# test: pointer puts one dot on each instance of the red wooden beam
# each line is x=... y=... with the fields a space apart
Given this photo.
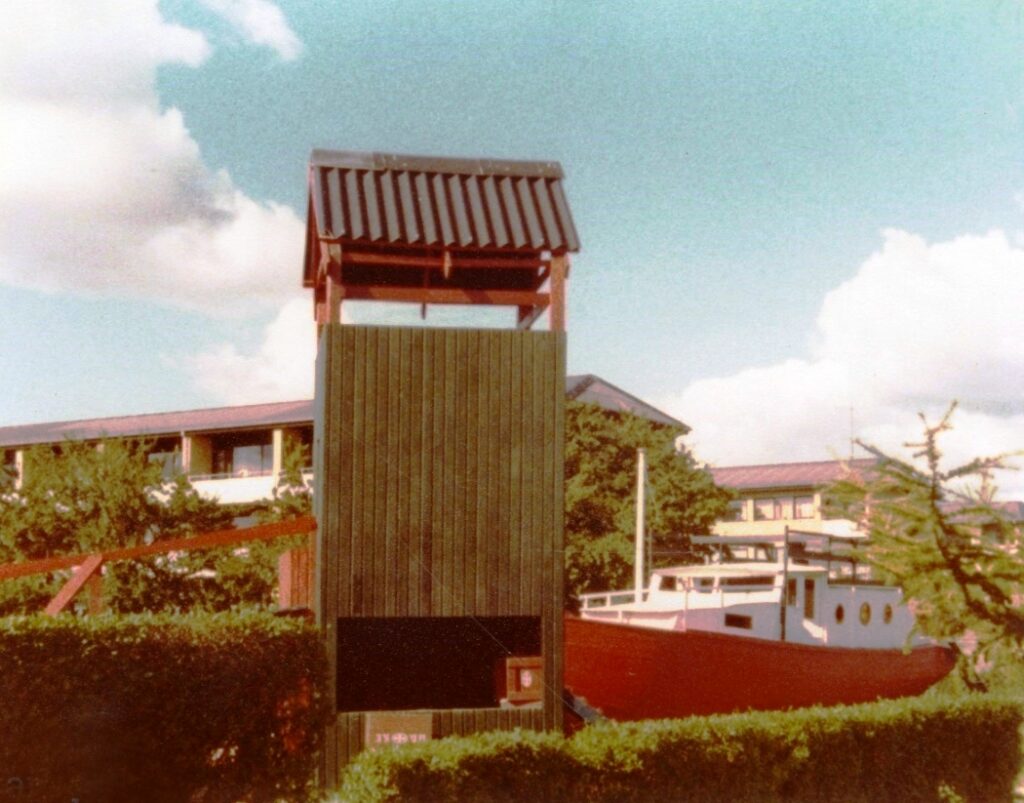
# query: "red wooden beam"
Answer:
x=67 y=592
x=260 y=532
x=432 y=261
x=447 y=295
x=528 y=316
x=431 y=249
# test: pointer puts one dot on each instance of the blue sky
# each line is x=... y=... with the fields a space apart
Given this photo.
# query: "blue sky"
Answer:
x=798 y=220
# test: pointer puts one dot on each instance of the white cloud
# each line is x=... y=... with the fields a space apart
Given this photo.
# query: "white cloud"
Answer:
x=280 y=368
x=918 y=326
x=261 y=22
x=102 y=191
x=96 y=54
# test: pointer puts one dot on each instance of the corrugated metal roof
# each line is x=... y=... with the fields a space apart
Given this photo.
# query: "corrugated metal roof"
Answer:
x=485 y=204
x=586 y=387
x=785 y=475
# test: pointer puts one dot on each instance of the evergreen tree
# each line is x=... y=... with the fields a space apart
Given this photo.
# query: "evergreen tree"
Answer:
x=958 y=557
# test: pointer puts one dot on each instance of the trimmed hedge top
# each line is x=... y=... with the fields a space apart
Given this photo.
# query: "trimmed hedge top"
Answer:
x=899 y=750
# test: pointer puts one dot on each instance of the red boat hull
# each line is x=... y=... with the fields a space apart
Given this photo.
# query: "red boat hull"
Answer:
x=633 y=673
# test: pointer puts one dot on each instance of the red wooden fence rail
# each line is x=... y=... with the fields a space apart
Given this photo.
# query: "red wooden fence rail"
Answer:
x=89 y=563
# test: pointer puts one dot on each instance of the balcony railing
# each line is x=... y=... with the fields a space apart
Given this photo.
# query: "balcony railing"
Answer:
x=239 y=488
x=231 y=475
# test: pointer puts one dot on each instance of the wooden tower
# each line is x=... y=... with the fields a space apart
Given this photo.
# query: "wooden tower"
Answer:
x=438 y=452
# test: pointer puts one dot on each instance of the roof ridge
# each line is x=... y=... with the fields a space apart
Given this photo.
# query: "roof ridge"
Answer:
x=467 y=165
x=792 y=463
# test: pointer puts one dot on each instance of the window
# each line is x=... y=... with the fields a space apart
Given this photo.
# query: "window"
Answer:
x=865 y=614
x=245 y=454
x=9 y=466
x=737 y=620
x=306 y=441
x=791 y=592
x=887 y=614
x=755 y=580
x=764 y=509
x=167 y=453
x=808 y=598
x=840 y=614
x=784 y=508
x=737 y=510
x=804 y=507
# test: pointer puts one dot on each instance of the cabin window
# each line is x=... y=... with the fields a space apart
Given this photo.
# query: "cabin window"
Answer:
x=865 y=614
x=840 y=614
x=407 y=663
x=738 y=620
x=804 y=507
x=887 y=614
x=791 y=592
x=759 y=580
x=808 y=598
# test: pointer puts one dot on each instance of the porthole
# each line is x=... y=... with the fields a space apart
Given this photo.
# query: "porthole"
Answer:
x=887 y=614
x=840 y=614
x=865 y=614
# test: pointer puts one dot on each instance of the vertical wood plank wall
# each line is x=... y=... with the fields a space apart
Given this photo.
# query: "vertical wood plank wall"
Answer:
x=438 y=461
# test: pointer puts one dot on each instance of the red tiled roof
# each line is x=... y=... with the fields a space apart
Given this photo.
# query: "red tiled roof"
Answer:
x=212 y=419
x=785 y=475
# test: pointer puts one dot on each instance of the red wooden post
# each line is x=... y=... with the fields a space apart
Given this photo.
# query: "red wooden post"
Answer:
x=94 y=587
x=295 y=573
x=284 y=578
x=74 y=585
x=559 y=264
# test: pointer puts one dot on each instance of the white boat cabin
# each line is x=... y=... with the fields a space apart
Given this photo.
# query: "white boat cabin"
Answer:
x=752 y=591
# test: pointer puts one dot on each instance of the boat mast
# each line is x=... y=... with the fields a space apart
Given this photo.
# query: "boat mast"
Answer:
x=638 y=558
x=784 y=597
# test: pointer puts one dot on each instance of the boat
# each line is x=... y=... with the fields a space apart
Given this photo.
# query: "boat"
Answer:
x=767 y=623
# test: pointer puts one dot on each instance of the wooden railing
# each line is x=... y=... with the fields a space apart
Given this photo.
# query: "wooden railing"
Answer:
x=88 y=564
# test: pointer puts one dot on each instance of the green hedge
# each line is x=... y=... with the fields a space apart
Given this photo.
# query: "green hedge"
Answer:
x=213 y=707
x=907 y=750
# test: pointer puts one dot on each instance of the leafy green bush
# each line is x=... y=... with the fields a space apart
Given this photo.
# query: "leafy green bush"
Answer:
x=210 y=707
x=906 y=750
x=89 y=499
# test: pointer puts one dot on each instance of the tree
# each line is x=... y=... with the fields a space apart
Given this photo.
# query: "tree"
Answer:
x=292 y=496
x=92 y=497
x=600 y=504
x=941 y=536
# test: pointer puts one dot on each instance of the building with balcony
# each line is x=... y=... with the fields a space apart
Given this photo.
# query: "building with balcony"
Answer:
x=775 y=496
x=236 y=454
